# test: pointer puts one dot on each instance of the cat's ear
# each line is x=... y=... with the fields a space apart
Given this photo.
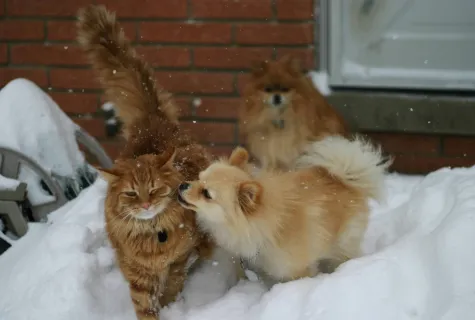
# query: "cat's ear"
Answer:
x=239 y=157
x=259 y=68
x=169 y=156
x=109 y=175
x=249 y=196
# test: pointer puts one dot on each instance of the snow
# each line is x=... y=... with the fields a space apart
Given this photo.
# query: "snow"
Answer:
x=8 y=184
x=320 y=80
x=107 y=106
x=418 y=264
x=197 y=102
x=111 y=121
x=33 y=124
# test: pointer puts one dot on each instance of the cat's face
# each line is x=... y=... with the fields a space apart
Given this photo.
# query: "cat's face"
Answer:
x=142 y=188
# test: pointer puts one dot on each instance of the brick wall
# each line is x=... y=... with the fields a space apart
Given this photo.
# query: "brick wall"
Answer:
x=201 y=50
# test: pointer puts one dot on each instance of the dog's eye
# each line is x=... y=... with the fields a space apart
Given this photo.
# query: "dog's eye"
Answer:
x=131 y=194
x=268 y=89
x=284 y=89
x=206 y=194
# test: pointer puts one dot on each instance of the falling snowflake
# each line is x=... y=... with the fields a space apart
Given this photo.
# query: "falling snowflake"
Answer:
x=197 y=102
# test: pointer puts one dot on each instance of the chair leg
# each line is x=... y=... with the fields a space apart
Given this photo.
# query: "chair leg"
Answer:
x=15 y=220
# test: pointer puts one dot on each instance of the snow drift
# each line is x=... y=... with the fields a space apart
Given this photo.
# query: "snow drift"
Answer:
x=33 y=124
x=419 y=264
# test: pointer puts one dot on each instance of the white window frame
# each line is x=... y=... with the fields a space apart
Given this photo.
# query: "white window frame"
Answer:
x=330 y=23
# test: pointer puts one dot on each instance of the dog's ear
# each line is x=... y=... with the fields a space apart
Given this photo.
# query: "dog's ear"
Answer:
x=292 y=64
x=239 y=157
x=109 y=175
x=258 y=68
x=249 y=196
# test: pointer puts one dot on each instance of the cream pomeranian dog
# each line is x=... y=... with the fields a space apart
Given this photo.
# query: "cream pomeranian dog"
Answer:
x=284 y=223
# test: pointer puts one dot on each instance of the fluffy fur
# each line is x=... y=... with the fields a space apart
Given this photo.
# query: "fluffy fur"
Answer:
x=357 y=162
x=155 y=239
x=285 y=223
x=127 y=79
x=282 y=111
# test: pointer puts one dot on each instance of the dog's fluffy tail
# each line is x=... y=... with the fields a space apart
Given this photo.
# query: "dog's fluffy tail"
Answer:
x=356 y=162
x=128 y=81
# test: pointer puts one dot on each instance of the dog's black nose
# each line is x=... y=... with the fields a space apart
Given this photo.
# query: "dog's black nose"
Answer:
x=184 y=186
x=277 y=99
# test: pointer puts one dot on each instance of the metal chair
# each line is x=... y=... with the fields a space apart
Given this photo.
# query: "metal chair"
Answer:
x=11 y=200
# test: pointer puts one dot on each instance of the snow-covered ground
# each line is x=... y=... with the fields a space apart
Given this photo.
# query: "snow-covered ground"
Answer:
x=419 y=264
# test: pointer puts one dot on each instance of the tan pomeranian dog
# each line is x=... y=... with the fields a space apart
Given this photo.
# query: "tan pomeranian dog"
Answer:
x=284 y=223
x=282 y=112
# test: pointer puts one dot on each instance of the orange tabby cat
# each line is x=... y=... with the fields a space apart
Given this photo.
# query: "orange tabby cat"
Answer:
x=146 y=242
x=155 y=239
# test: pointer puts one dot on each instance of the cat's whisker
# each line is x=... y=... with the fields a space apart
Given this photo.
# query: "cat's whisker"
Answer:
x=123 y=217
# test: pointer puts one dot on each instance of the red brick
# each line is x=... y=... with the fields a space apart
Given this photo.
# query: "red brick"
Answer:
x=148 y=8
x=242 y=137
x=61 y=30
x=66 y=30
x=459 y=146
x=232 y=9
x=176 y=32
x=165 y=56
x=230 y=58
x=184 y=106
x=295 y=9
x=242 y=80
x=413 y=164
x=306 y=56
x=196 y=82
x=2 y=7
x=57 y=54
x=211 y=132
x=76 y=102
x=278 y=34
x=221 y=151
x=407 y=143
x=95 y=127
x=45 y=7
x=38 y=76
x=21 y=30
x=218 y=107
x=73 y=79
x=3 y=53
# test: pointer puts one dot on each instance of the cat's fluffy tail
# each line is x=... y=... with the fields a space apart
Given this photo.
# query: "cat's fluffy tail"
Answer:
x=128 y=81
x=356 y=162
